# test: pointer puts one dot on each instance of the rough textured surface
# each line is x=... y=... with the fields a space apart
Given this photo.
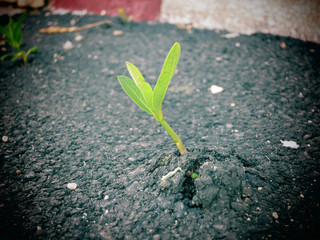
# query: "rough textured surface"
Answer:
x=297 y=18
x=65 y=119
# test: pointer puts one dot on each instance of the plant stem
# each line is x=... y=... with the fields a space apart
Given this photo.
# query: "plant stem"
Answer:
x=174 y=136
x=25 y=57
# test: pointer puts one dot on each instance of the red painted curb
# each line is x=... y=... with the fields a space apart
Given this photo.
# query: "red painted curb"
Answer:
x=140 y=10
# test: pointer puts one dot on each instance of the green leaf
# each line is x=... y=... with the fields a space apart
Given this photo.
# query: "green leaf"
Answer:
x=34 y=49
x=10 y=28
x=3 y=57
x=17 y=34
x=166 y=74
x=194 y=175
x=133 y=91
x=17 y=55
x=144 y=87
x=4 y=30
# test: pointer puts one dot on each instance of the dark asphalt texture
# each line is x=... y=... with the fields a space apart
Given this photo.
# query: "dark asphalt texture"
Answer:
x=68 y=120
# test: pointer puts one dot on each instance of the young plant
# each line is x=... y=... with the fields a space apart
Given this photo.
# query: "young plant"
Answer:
x=151 y=100
x=14 y=38
x=123 y=16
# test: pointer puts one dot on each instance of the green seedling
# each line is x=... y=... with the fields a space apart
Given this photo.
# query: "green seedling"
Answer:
x=123 y=16
x=151 y=100
x=14 y=38
x=194 y=175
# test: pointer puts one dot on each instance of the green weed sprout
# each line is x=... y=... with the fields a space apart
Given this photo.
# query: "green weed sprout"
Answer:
x=151 y=100
x=123 y=15
x=14 y=38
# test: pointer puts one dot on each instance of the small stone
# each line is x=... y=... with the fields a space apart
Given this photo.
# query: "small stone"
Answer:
x=67 y=45
x=156 y=237
x=301 y=195
x=117 y=32
x=216 y=89
x=39 y=228
x=5 y=138
x=78 y=38
x=18 y=172
x=237 y=44
x=283 y=45
x=259 y=188
x=106 y=197
x=219 y=227
x=290 y=144
x=275 y=215
x=232 y=104
x=72 y=186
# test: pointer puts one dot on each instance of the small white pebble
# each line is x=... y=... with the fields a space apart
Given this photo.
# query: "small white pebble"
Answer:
x=39 y=228
x=275 y=215
x=216 y=89
x=290 y=144
x=232 y=104
x=72 y=186
x=237 y=44
x=67 y=45
x=78 y=38
x=117 y=32
x=73 y=22
x=259 y=188
x=5 y=138
x=301 y=195
x=106 y=197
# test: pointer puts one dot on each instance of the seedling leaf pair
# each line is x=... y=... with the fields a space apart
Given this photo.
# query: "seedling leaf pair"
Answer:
x=151 y=100
x=135 y=93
